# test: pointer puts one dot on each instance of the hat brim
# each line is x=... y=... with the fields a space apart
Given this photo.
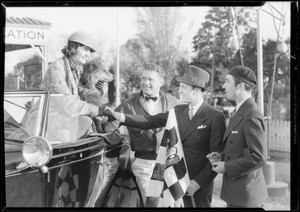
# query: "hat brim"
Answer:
x=85 y=44
x=248 y=82
x=91 y=48
x=179 y=79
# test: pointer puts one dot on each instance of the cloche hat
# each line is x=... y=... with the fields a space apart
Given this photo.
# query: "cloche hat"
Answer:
x=83 y=38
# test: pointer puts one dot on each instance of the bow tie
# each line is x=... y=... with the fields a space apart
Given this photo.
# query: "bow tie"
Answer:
x=149 y=97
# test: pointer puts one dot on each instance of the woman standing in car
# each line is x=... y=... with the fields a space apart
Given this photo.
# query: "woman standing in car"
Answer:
x=62 y=77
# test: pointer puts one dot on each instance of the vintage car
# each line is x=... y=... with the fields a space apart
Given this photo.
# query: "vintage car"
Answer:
x=42 y=134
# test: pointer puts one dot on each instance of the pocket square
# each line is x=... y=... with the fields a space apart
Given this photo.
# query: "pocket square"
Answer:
x=201 y=126
x=234 y=132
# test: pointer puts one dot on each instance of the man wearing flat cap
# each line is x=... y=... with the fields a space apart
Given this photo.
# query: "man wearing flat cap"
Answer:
x=245 y=148
x=201 y=128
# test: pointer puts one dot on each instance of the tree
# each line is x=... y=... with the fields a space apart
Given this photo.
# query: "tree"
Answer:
x=158 y=32
x=282 y=69
x=19 y=67
x=210 y=44
x=157 y=41
x=131 y=61
x=181 y=66
x=212 y=39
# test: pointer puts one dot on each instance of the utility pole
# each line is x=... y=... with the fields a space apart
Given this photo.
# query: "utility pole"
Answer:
x=212 y=76
x=117 y=75
x=260 y=86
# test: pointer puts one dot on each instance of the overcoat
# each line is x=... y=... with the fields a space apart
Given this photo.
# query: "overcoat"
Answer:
x=244 y=154
x=59 y=79
x=72 y=180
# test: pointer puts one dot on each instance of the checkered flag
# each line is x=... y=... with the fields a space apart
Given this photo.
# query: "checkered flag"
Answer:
x=170 y=177
x=67 y=187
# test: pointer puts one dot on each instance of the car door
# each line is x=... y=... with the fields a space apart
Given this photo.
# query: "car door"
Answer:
x=23 y=184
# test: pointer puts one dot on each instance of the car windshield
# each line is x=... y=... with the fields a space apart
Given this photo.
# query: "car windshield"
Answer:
x=67 y=118
x=18 y=113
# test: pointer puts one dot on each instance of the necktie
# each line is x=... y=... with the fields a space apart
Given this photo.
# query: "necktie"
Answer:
x=152 y=106
x=191 y=113
x=233 y=113
x=149 y=97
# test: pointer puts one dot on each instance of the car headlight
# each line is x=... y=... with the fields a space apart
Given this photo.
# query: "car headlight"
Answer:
x=37 y=151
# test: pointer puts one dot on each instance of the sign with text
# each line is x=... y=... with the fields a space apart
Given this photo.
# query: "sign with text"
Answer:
x=26 y=35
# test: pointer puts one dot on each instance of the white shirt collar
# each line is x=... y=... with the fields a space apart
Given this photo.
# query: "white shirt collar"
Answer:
x=196 y=107
x=239 y=104
x=154 y=107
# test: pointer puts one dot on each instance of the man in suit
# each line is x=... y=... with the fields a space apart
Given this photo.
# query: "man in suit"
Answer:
x=200 y=133
x=245 y=149
x=145 y=143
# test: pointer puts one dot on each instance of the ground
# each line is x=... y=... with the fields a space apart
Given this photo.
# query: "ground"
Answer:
x=282 y=173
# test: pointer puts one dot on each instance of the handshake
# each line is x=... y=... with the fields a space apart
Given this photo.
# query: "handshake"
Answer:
x=111 y=114
x=107 y=120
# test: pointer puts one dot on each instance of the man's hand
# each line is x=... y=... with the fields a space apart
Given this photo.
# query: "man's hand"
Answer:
x=214 y=156
x=111 y=114
x=218 y=167
x=192 y=188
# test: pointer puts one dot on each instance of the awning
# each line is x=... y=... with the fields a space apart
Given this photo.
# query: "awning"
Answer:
x=25 y=32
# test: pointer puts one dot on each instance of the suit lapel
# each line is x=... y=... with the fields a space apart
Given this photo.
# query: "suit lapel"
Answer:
x=238 y=117
x=163 y=99
x=182 y=119
x=234 y=121
x=141 y=110
x=197 y=120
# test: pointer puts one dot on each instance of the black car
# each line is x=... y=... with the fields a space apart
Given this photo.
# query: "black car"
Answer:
x=42 y=134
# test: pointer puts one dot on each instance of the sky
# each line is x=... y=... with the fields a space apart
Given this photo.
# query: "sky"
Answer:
x=108 y=22
x=95 y=19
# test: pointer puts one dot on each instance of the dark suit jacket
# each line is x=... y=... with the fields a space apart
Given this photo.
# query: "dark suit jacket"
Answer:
x=245 y=152
x=200 y=136
x=144 y=142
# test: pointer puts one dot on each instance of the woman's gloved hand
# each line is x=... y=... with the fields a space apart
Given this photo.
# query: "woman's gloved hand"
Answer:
x=99 y=121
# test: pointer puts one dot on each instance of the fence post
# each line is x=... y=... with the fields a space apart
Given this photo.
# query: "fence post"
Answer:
x=268 y=133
